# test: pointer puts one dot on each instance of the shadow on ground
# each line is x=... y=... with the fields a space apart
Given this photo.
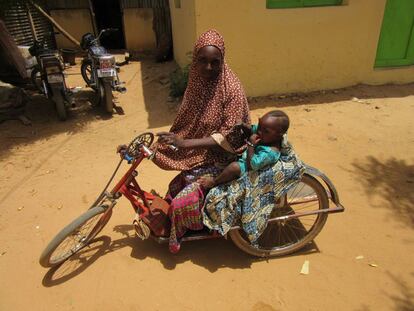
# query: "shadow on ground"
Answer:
x=156 y=87
x=45 y=123
x=404 y=301
x=211 y=254
x=361 y=93
x=393 y=181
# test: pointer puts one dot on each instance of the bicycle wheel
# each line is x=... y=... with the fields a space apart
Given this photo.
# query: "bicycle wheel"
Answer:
x=75 y=236
x=285 y=237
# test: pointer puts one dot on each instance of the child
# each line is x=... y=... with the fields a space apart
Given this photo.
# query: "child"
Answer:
x=263 y=149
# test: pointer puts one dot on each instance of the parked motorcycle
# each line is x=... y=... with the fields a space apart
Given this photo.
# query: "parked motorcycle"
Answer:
x=99 y=69
x=48 y=76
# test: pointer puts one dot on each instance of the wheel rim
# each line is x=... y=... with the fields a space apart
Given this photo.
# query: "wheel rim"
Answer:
x=78 y=238
x=281 y=236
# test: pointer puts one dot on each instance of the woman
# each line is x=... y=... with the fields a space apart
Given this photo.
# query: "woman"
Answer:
x=203 y=131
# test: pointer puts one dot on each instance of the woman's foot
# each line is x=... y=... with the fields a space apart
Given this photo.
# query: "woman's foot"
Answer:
x=206 y=182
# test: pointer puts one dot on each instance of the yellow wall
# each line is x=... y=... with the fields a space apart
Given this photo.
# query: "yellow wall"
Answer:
x=289 y=50
x=75 y=21
x=183 y=29
x=139 y=34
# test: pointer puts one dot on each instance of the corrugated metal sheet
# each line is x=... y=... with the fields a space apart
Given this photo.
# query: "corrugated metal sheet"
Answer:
x=162 y=21
x=67 y=4
x=18 y=24
x=125 y=4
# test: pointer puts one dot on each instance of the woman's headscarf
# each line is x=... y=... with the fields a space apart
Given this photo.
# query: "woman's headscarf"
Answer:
x=208 y=108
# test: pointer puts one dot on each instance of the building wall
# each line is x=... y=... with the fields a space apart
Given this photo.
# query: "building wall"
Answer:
x=289 y=50
x=139 y=34
x=75 y=21
x=183 y=22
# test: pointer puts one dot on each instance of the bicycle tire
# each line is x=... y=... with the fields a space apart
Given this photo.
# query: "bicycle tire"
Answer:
x=244 y=244
x=48 y=260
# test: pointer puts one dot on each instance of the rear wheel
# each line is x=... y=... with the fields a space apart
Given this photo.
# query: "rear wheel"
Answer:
x=36 y=78
x=75 y=236
x=287 y=236
x=59 y=102
x=106 y=97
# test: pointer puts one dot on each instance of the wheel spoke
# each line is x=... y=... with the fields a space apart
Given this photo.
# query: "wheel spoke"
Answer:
x=297 y=192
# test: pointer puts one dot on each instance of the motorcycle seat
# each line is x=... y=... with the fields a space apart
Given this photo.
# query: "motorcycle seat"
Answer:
x=98 y=51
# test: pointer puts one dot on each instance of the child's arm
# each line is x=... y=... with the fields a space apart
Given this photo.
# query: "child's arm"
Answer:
x=251 y=144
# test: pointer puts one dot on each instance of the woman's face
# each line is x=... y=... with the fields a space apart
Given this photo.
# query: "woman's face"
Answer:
x=209 y=62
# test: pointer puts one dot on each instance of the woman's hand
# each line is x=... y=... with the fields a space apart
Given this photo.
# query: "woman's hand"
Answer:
x=121 y=149
x=171 y=139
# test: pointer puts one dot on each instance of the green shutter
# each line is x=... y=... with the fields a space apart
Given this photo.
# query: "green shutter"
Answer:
x=321 y=2
x=396 y=43
x=277 y=4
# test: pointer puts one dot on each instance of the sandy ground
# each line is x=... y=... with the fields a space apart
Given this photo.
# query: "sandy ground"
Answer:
x=51 y=171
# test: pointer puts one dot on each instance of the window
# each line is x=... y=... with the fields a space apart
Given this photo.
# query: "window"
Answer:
x=280 y=4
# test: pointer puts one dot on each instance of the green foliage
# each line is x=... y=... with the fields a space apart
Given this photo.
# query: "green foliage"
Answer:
x=178 y=81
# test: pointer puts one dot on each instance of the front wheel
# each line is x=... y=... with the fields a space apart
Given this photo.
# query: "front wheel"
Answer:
x=287 y=236
x=106 y=97
x=75 y=236
x=86 y=72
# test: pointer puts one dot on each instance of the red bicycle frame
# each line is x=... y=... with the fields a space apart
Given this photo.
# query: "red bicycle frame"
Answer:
x=129 y=187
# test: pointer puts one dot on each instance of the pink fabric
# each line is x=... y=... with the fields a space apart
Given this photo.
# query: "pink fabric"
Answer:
x=208 y=107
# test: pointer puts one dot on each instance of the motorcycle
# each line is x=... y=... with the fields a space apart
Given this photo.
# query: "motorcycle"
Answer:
x=48 y=76
x=297 y=217
x=99 y=69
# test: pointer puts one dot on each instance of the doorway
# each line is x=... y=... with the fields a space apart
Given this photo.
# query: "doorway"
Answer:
x=108 y=14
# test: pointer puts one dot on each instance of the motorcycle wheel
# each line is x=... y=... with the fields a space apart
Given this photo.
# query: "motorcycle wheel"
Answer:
x=106 y=97
x=36 y=78
x=285 y=237
x=59 y=101
x=86 y=72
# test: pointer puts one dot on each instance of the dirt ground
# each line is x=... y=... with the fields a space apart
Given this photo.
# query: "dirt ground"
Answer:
x=361 y=137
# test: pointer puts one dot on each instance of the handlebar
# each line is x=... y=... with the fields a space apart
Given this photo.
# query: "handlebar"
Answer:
x=104 y=31
x=144 y=150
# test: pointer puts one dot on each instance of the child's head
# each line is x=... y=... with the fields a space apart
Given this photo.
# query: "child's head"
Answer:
x=272 y=126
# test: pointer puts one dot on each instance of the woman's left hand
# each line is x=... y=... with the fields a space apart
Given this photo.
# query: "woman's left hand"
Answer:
x=170 y=139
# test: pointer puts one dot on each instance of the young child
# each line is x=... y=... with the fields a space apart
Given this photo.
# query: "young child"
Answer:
x=263 y=149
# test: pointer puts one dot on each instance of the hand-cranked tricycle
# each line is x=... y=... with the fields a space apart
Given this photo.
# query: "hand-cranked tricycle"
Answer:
x=298 y=216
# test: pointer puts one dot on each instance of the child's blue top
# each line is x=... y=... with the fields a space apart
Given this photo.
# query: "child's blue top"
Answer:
x=263 y=156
